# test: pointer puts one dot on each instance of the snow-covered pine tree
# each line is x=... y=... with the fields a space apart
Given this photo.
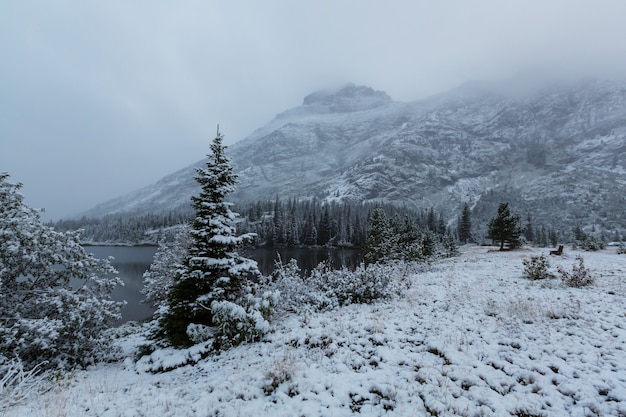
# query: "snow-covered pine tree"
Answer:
x=432 y=224
x=380 y=245
x=465 y=225
x=324 y=231
x=212 y=298
x=528 y=229
x=54 y=297
x=505 y=227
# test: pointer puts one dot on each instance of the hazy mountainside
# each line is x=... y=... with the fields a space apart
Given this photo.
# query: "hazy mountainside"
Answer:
x=558 y=153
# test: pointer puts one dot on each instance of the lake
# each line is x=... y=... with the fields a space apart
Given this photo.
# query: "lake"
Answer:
x=308 y=258
x=133 y=261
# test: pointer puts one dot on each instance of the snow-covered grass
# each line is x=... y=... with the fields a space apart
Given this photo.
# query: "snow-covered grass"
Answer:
x=17 y=384
x=470 y=337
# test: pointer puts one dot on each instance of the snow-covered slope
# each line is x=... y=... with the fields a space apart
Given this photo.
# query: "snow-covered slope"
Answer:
x=469 y=337
x=558 y=149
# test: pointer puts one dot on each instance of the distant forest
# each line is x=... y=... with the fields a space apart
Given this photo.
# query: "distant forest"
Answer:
x=126 y=228
x=292 y=223
x=276 y=222
x=312 y=223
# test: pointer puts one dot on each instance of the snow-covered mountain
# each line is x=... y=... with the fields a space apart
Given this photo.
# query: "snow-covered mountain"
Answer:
x=558 y=153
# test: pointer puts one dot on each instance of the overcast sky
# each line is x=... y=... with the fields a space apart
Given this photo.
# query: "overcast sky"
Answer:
x=100 y=98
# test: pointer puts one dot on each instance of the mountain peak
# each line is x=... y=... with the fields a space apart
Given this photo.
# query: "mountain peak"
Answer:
x=543 y=152
x=349 y=98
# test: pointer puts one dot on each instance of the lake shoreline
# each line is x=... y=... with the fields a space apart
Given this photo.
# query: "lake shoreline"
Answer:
x=132 y=261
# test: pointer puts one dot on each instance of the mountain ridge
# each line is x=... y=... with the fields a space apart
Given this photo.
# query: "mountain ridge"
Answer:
x=549 y=151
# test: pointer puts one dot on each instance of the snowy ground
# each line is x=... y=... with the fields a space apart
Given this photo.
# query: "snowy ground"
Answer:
x=471 y=337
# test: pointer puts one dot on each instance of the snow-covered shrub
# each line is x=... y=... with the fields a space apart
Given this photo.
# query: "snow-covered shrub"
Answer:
x=199 y=333
x=244 y=321
x=590 y=243
x=536 y=268
x=165 y=359
x=621 y=249
x=328 y=288
x=450 y=247
x=297 y=293
x=281 y=371
x=287 y=279
x=363 y=285
x=159 y=278
x=54 y=297
x=18 y=384
x=580 y=275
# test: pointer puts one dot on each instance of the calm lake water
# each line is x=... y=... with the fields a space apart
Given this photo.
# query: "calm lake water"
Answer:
x=308 y=258
x=133 y=261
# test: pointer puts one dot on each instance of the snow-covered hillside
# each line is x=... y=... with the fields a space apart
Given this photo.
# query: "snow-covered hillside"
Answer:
x=559 y=149
x=469 y=337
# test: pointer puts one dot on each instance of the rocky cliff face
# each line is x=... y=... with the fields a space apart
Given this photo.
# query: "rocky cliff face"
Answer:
x=558 y=153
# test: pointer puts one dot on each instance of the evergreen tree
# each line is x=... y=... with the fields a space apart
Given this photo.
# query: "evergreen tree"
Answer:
x=309 y=230
x=293 y=235
x=251 y=214
x=544 y=237
x=43 y=317
x=211 y=298
x=537 y=236
x=293 y=227
x=311 y=225
x=325 y=228
x=358 y=232
x=465 y=225
x=449 y=245
x=409 y=245
x=379 y=238
x=279 y=223
x=579 y=234
x=429 y=244
x=553 y=237
x=344 y=226
x=441 y=225
x=505 y=227
x=528 y=230
x=431 y=222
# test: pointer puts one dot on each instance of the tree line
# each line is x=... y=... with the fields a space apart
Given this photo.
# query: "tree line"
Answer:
x=294 y=223
x=125 y=228
x=276 y=222
x=311 y=222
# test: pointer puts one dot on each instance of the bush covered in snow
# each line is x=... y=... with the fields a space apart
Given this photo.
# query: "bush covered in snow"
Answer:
x=327 y=288
x=536 y=268
x=159 y=278
x=245 y=321
x=294 y=289
x=54 y=297
x=361 y=286
x=580 y=275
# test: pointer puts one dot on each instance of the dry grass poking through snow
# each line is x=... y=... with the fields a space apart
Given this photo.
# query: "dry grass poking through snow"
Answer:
x=471 y=337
